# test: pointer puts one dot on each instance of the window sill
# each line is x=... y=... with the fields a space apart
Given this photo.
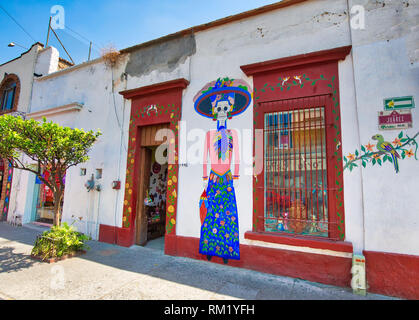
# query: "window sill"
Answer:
x=300 y=241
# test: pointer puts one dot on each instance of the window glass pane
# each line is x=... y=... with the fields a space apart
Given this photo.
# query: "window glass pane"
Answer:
x=8 y=97
x=295 y=172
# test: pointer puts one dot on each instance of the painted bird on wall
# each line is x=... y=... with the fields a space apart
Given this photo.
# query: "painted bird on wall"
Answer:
x=386 y=147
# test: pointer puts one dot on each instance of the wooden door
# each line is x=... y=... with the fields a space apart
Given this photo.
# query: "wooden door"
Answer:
x=144 y=181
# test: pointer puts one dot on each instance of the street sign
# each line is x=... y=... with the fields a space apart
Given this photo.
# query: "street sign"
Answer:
x=400 y=119
x=399 y=103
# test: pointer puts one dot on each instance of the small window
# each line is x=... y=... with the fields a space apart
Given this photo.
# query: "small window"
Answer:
x=8 y=97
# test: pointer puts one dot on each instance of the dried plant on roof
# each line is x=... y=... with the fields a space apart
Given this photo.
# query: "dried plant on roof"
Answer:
x=111 y=56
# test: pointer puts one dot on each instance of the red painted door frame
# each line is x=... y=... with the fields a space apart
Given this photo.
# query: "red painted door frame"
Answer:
x=150 y=105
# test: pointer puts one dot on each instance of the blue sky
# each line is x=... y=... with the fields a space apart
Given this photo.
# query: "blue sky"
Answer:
x=121 y=23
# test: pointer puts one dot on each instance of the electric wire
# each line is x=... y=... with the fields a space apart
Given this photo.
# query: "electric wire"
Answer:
x=10 y=16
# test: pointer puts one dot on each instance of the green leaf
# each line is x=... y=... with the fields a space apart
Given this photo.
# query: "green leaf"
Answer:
x=362 y=148
x=400 y=134
x=379 y=161
x=374 y=161
x=364 y=164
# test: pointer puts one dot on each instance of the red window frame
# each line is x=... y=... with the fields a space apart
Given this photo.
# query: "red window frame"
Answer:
x=267 y=76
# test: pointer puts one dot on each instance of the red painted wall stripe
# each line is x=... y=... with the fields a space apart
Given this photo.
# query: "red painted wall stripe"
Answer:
x=393 y=274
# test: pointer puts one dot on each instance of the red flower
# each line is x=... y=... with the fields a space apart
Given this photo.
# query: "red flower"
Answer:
x=222 y=222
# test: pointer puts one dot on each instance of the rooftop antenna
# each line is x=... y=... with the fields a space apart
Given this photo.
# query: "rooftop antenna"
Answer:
x=49 y=28
x=90 y=50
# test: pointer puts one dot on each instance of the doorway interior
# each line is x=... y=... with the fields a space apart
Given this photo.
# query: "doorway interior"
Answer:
x=151 y=210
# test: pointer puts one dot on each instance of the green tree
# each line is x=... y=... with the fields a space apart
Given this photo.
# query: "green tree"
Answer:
x=49 y=146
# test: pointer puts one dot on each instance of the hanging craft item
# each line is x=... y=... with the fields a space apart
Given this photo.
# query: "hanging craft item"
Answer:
x=148 y=201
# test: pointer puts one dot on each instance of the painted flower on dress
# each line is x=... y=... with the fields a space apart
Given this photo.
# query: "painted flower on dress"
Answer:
x=214 y=230
x=222 y=222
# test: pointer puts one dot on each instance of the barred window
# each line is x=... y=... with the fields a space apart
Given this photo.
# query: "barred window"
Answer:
x=297 y=198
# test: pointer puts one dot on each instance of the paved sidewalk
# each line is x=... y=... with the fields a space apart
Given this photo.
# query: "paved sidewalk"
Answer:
x=112 y=272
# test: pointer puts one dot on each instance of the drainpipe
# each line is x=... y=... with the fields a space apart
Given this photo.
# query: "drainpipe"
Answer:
x=120 y=148
x=357 y=125
x=358 y=270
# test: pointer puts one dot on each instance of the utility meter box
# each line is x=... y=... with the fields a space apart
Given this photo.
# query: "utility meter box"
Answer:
x=359 y=278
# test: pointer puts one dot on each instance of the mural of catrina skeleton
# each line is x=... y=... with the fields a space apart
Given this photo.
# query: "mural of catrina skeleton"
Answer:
x=220 y=101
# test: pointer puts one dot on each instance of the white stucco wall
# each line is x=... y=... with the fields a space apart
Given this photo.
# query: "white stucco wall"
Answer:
x=381 y=210
x=386 y=65
x=23 y=67
x=220 y=52
x=91 y=86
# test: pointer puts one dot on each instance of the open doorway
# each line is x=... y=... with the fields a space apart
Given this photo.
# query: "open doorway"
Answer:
x=151 y=211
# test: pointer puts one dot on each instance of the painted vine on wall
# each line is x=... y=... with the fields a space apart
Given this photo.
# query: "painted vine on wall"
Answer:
x=299 y=81
x=173 y=114
x=401 y=147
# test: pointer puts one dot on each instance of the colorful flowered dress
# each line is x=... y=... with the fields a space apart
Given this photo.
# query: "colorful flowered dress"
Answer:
x=220 y=229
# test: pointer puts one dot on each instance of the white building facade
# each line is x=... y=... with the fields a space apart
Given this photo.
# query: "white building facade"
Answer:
x=298 y=76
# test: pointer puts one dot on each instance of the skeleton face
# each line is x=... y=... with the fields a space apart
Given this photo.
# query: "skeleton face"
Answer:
x=221 y=109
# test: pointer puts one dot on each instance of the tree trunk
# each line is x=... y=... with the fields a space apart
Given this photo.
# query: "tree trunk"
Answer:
x=57 y=207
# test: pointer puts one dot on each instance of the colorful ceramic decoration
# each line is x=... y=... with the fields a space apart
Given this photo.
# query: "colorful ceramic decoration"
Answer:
x=221 y=100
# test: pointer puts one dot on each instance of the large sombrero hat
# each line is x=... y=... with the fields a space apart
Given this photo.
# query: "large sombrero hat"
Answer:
x=234 y=90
